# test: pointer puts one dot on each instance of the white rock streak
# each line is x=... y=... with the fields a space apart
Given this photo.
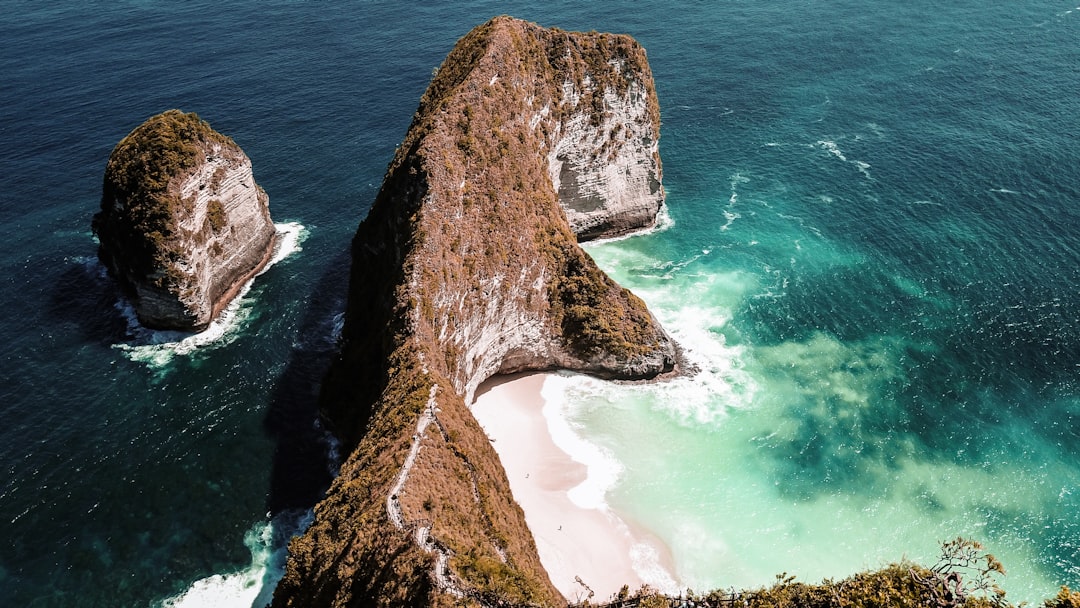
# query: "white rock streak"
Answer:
x=443 y=580
x=606 y=171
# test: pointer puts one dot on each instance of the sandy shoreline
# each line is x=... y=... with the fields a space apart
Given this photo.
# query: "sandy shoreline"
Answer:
x=590 y=543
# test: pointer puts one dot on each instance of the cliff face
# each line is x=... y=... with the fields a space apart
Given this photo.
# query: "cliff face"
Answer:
x=183 y=225
x=467 y=266
x=604 y=157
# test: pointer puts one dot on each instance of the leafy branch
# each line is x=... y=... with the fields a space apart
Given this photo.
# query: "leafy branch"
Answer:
x=963 y=569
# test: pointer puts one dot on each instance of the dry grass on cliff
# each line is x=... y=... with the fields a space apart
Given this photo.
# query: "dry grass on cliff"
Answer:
x=142 y=174
x=493 y=207
x=458 y=488
x=595 y=314
x=352 y=551
x=467 y=199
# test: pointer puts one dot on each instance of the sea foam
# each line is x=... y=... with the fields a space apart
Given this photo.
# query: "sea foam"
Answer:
x=561 y=393
x=157 y=348
x=252 y=587
x=695 y=308
x=830 y=146
x=602 y=469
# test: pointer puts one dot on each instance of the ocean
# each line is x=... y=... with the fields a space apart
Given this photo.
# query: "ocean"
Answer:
x=871 y=259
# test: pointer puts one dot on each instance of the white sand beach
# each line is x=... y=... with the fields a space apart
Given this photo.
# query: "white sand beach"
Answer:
x=590 y=543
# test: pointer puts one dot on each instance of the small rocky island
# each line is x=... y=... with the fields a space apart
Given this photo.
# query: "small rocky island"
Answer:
x=468 y=266
x=183 y=225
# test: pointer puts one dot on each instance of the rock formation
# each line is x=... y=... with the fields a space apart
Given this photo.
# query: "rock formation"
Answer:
x=466 y=267
x=604 y=157
x=183 y=225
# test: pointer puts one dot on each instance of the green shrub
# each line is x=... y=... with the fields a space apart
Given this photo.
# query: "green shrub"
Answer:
x=215 y=214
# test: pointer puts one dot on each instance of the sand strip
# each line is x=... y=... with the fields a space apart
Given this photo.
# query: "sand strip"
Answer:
x=593 y=544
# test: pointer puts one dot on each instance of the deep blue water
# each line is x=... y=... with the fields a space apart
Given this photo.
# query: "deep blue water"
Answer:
x=876 y=206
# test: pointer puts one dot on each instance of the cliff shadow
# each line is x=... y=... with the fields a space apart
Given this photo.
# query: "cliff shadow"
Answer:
x=304 y=463
x=85 y=298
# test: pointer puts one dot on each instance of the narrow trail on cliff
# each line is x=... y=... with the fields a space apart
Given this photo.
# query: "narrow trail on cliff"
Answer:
x=469 y=261
x=440 y=573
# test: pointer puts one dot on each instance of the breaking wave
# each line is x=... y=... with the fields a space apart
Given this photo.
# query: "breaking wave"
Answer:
x=157 y=348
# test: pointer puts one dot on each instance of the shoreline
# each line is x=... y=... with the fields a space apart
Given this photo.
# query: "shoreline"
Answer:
x=158 y=346
x=582 y=548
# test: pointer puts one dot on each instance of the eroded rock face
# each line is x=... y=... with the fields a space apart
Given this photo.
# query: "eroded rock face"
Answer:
x=183 y=225
x=467 y=266
x=605 y=164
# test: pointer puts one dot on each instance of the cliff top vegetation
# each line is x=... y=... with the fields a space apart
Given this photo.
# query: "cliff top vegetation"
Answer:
x=466 y=266
x=140 y=200
x=965 y=576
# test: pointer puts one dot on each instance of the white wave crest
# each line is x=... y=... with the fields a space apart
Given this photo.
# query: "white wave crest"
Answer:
x=648 y=565
x=695 y=309
x=736 y=179
x=729 y=219
x=602 y=469
x=157 y=348
x=730 y=216
x=719 y=382
x=832 y=148
x=252 y=587
x=664 y=220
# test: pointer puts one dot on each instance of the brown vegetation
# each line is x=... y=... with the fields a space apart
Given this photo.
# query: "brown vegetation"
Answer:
x=465 y=239
x=965 y=576
x=215 y=215
x=582 y=307
x=140 y=200
x=1066 y=598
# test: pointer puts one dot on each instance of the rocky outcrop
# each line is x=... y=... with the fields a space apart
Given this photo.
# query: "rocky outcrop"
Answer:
x=605 y=164
x=183 y=225
x=465 y=267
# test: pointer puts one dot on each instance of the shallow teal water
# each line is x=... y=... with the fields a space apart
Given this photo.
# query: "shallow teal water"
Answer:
x=872 y=260
x=875 y=269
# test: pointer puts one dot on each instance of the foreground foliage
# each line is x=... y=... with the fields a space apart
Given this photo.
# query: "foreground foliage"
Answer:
x=965 y=576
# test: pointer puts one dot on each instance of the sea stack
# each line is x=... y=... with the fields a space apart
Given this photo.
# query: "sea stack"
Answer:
x=467 y=266
x=183 y=225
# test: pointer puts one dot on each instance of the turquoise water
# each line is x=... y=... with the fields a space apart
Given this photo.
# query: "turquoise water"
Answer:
x=871 y=260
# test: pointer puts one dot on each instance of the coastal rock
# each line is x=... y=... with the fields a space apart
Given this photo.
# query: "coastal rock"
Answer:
x=604 y=157
x=465 y=267
x=183 y=225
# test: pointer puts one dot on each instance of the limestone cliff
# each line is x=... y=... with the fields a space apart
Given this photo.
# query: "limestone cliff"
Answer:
x=603 y=153
x=465 y=267
x=183 y=225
